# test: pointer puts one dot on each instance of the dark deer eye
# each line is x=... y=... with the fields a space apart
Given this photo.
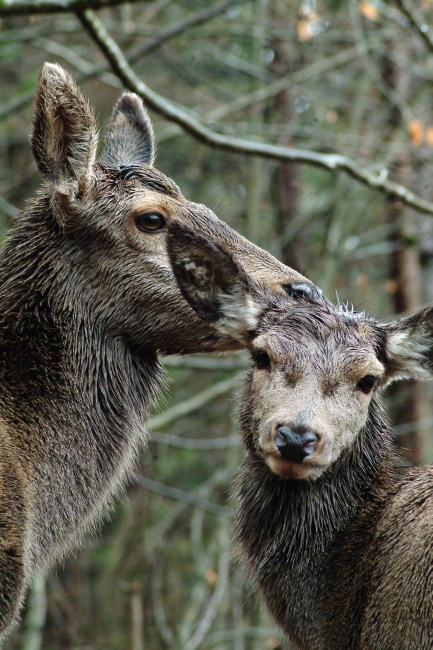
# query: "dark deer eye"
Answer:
x=367 y=383
x=261 y=360
x=150 y=222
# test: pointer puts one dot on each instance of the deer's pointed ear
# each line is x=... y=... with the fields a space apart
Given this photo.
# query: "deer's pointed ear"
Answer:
x=129 y=139
x=407 y=347
x=215 y=286
x=64 y=134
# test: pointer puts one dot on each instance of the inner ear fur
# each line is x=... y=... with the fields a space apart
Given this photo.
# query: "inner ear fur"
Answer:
x=213 y=283
x=129 y=139
x=407 y=347
x=64 y=134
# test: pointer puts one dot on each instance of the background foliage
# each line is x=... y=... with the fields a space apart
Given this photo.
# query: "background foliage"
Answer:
x=352 y=78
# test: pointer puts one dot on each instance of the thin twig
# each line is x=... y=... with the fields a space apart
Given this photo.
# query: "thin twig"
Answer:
x=410 y=427
x=196 y=402
x=180 y=495
x=174 y=113
x=36 y=615
x=417 y=20
x=235 y=62
x=388 y=92
x=206 y=362
x=137 y=616
x=306 y=73
x=11 y=8
x=196 y=444
x=8 y=209
x=178 y=28
x=210 y=611
x=88 y=71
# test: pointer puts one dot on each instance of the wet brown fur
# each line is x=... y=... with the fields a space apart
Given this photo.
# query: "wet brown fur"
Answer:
x=87 y=300
x=341 y=547
x=340 y=544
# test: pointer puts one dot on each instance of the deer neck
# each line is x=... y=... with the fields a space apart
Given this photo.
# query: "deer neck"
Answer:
x=289 y=531
x=73 y=399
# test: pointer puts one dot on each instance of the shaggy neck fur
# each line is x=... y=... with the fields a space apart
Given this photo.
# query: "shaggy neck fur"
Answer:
x=73 y=396
x=294 y=532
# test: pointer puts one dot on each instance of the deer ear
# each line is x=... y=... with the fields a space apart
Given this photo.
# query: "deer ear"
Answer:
x=64 y=134
x=408 y=347
x=215 y=286
x=129 y=139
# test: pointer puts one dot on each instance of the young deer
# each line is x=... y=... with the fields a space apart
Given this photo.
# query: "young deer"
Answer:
x=338 y=540
x=87 y=300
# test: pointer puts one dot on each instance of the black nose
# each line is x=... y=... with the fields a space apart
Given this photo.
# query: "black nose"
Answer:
x=307 y=291
x=295 y=445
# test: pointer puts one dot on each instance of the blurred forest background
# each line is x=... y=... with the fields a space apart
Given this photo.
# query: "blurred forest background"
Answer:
x=336 y=77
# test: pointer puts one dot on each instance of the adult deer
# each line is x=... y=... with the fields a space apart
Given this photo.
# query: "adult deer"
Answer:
x=338 y=540
x=87 y=300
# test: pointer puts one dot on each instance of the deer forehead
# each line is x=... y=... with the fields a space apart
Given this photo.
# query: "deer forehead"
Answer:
x=299 y=357
x=140 y=179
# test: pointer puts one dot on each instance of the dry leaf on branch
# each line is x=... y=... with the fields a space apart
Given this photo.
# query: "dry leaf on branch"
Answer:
x=416 y=132
x=369 y=10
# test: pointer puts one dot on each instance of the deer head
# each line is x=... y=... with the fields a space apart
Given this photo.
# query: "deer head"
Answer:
x=113 y=217
x=316 y=375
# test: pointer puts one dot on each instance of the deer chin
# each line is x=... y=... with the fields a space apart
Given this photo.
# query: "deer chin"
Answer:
x=285 y=469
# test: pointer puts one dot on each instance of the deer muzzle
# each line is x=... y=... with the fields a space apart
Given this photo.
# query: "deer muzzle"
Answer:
x=293 y=450
x=295 y=445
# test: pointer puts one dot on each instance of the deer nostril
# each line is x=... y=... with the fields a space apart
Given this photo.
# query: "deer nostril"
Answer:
x=307 y=291
x=294 y=445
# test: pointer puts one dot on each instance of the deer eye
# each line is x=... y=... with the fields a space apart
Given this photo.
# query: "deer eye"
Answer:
x=150 y=222
x=367 y=383
x=261 y=360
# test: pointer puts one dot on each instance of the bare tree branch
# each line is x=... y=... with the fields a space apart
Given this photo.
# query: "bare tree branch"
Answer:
x=136 y=53
x=36 y=615
x=196 y=444
x=332 y=162
x=88 y=71
x=8 y=209
x=180 y=495
x=417 y=20
x=217 y=596
x=389 y=93
x=196 y=402
x=12 y=8
x=175 y=30
x=306 y=73
x=137 y=616
x=206 y=362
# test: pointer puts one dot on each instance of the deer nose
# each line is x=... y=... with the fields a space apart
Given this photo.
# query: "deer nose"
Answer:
x=303 y=290
x=295 y=444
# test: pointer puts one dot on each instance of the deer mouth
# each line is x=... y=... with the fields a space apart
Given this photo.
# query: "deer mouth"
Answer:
x=292 y=470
